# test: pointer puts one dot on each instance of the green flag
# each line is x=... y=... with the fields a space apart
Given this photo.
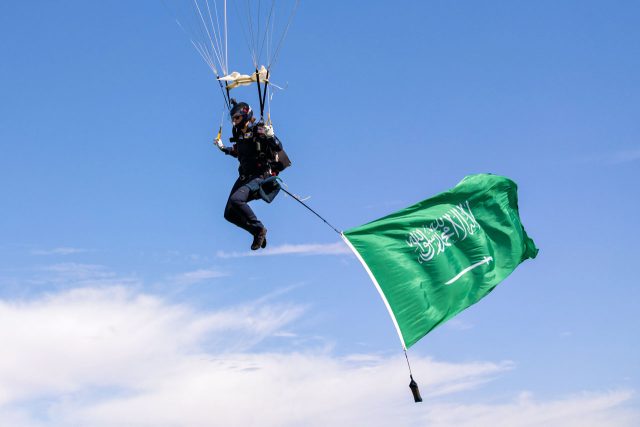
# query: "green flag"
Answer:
x=432 y=260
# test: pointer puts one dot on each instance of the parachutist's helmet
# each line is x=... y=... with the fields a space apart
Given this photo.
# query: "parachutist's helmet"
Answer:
x=240 y=113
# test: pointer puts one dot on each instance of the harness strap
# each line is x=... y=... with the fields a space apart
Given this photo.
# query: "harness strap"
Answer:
x=225 y=92
x=262 y=93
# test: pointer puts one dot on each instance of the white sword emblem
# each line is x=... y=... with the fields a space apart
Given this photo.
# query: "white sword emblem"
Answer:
x=486 y=260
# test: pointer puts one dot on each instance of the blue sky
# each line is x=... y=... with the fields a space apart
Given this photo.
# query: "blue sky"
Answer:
x=123 y=288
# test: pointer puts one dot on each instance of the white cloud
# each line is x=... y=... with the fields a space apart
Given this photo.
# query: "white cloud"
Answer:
x=72 y=270
x=81 y=338
x=197 y=276
x=458 y=324
x=338 y=248
x=109 y=357
x=58 y=251
x=582 y=410
x=78 y=275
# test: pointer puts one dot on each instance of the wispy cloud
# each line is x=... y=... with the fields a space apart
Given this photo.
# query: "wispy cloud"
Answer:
x=58 y=251
x=581 y=410
x=104 y=357
x=338 y=248
x=458 y=325
x=625 y=156
x=77 y=271
x=71 y=274
x=197 y=276
x=612 y=157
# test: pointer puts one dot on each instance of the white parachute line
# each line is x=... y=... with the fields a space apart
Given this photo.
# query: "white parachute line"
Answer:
x=206 y=28
x=200 y=50
x=245 y=15
x=214 y=30
x=268 y=36
x=259 y=9
x=244 y=33
x=200 y=24
x=268 y=103
x=284 y=34
x=206 y=59
x=226 y=44
x=270 y=33
x=215 y=48
x=203 y=22
x=205 y=56
x=224 y=110
x=216 y=33
x=267 y=33
x=276 y=53
x=204 y=51
x=251 y=35
x=256 y=35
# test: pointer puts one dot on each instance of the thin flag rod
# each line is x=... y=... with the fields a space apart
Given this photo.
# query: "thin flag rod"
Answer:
x=364 y=264
x=408 y=364
x=314 y=212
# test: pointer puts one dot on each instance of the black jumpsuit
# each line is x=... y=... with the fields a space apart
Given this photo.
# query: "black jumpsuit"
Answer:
x=252 y=150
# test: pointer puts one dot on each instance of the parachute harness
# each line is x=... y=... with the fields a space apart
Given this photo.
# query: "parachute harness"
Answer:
x=262 y=93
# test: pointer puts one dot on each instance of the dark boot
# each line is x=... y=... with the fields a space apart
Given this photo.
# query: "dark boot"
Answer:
x=259 y=239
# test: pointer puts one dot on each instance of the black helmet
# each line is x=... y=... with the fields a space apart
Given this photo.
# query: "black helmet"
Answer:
x=240 y=109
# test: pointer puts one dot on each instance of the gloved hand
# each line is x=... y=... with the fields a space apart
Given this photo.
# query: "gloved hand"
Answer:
x=219 y=144
x=268 y=131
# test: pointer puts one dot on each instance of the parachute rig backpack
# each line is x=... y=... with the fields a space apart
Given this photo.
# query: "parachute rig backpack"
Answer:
x=278 y=161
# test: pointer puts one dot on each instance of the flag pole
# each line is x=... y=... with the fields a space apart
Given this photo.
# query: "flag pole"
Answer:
x=297 y=199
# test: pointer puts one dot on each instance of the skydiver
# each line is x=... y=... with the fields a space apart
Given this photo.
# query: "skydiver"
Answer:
x=253 y=145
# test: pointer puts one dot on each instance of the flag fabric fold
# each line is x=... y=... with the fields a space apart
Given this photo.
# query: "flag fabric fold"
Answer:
x=434 y=259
